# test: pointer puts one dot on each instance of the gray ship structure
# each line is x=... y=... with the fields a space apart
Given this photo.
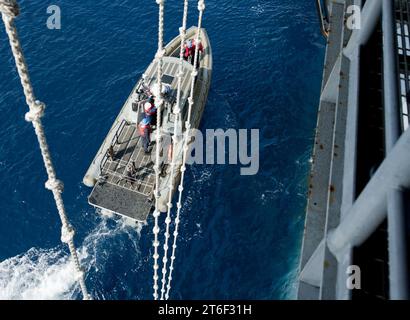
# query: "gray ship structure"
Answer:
x=356 y=236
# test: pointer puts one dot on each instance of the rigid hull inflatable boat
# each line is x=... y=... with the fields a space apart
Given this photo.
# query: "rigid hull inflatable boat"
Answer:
x=132 y=196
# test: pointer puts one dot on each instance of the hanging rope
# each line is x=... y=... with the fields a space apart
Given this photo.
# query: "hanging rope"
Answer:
x=159 y=103
x=177 y=112
x=10 y=10
x=201 y=8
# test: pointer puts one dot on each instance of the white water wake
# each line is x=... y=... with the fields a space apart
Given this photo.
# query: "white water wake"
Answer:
x=37 y=274
x=47 y=274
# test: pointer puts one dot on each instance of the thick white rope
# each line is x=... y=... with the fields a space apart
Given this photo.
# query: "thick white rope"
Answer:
x=159 y=103
x=201 y=8
x=178 y=121
x=9 y=10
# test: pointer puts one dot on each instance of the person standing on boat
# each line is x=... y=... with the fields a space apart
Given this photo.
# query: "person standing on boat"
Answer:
x=189 y=50
x=144 y=129
x=150 y=110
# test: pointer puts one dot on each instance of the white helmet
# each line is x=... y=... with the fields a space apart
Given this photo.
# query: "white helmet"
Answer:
x=189 y=43
x=147 y=106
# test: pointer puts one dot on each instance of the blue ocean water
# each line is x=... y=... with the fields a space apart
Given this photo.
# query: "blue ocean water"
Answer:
x=240 y=236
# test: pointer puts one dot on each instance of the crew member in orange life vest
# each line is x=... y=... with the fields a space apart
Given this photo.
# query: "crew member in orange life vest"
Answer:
x=189 y=52
x=145 y=131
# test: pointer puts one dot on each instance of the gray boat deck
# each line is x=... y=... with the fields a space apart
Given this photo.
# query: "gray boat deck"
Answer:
x=118 y=191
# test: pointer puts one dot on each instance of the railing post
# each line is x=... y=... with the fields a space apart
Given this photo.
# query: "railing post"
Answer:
x=370 y=208
x=396 y=213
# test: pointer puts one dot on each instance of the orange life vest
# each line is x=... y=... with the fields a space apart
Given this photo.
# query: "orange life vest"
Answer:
x=142 y=127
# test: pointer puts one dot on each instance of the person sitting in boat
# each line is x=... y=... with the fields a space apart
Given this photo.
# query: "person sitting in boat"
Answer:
x=144 y=129
x=165 y=90
x=189 y=50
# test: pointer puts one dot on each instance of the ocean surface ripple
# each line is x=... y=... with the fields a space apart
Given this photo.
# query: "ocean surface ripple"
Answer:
x=240 y=236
